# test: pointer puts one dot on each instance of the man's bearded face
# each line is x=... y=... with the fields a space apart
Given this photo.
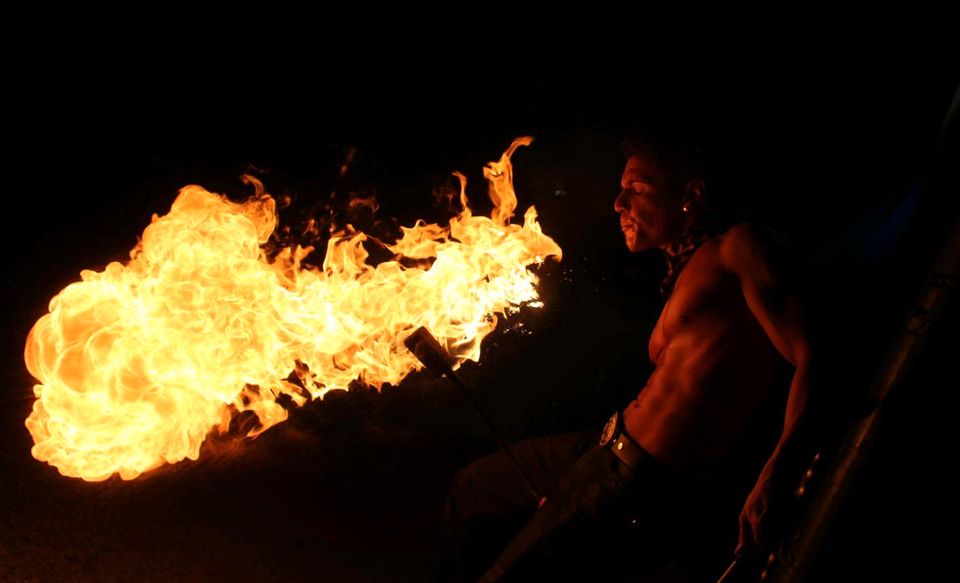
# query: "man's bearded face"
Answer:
x=651 y=213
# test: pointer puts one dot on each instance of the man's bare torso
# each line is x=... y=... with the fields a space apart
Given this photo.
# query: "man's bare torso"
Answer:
x=714 y=366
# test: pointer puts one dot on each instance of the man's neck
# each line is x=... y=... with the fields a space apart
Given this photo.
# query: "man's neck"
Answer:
x=679 y=251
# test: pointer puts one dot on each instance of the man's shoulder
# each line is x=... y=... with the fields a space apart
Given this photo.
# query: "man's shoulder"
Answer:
x=747 y=233
x=738 y=237
x=754 y=235
x=751 y=242
x=752 y=246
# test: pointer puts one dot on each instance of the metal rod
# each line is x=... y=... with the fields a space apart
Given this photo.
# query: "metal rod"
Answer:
x=812 y=530
x=433 y=356
x=810 y=533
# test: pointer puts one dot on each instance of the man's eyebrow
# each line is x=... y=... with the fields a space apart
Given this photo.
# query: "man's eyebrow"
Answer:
x=636 y=177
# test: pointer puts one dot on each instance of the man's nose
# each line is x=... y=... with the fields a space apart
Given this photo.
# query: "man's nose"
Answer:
x=620 y=203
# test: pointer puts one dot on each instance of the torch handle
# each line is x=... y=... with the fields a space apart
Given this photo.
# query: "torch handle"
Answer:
x=426 y=348
x=455 y=378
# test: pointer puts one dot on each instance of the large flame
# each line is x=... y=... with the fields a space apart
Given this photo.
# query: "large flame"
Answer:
x=139 y=362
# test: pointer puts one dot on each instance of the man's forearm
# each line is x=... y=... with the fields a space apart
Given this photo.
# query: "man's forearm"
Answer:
x=794 y=438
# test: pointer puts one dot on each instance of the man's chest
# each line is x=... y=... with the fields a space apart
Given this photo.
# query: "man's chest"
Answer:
x=706 y=296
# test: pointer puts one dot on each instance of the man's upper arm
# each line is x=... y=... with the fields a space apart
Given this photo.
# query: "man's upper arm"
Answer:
x=770 y=284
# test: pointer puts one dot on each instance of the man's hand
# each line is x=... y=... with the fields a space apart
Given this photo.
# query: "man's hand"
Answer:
x=761 y=518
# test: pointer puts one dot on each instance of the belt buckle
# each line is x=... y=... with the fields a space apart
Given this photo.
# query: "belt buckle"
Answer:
x=610 y=430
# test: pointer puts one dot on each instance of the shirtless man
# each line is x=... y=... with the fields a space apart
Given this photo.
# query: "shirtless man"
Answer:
x=731 y=317
x=729 y=323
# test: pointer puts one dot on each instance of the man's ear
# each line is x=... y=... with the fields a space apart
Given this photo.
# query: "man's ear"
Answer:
x=693 y=191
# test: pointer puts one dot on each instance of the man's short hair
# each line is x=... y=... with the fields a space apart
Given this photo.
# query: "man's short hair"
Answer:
x=681 y=153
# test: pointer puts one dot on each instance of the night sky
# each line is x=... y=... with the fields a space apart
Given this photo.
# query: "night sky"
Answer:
x=352 y=488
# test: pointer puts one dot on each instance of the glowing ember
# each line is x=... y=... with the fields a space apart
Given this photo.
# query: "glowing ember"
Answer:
x=139 y=362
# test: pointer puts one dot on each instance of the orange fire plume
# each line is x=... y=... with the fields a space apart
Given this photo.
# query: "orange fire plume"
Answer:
x=139 y=362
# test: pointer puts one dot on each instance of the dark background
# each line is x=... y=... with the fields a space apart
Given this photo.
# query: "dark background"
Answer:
x=351 y=488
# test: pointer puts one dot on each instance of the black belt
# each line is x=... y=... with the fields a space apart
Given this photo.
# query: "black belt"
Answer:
x=616 y=438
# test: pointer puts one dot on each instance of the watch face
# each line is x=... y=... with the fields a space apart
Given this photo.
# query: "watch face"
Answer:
x=608 y=430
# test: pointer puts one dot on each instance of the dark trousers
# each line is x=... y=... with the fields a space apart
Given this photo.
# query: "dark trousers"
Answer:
x=600 y=518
